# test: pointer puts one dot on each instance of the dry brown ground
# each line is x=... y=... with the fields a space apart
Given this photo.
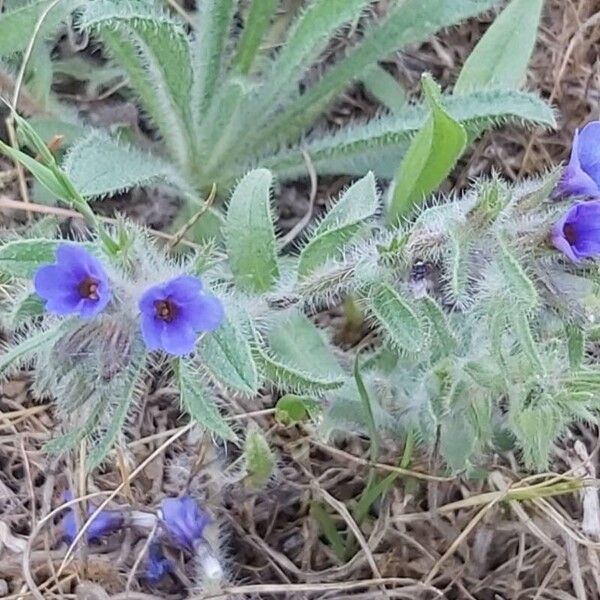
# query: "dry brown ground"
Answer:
x=430 y=538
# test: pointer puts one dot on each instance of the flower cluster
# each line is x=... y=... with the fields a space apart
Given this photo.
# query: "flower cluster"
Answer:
x=182 y=524
x=172 y=313
x=577 y=233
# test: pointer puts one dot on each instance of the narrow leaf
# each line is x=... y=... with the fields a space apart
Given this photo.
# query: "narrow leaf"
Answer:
x=250 y=235
x=226 y=355
x=501 y=56
x=385 y=88
x=340 y=226
x=198 y=401
x=396 y=318
x=100 y=166
x=255 y=27
x=430 y=157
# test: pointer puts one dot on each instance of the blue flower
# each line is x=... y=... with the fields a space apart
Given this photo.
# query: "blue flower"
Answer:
x=577 y=234
x=157 y=565
x=105 y=523
x=75 y=284
x=183 y=521
x=174 y=312
x=582 y=175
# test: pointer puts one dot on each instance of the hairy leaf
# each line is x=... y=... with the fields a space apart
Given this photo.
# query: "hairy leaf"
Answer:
x=250 y=235
x=227 y=356
x=341 y=224
x=385 y=88
x=410 y=22
x=379 y=144
x=255 y=27
x=154 y=51
x=259 y=460
x=501 y=56
x=22 y=258
x=396 y=317
x=17 y=24
x=100 y=166
x=213 y=21
x=199 y=402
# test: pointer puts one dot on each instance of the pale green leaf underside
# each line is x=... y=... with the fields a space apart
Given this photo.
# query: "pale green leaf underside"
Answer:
x=294 y=341
x=22 y=258
x=227 y=356
x=341 y=224
x=100 y=166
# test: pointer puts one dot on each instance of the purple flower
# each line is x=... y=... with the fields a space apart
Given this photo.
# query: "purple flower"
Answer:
x=105 y=523
x=577 y=234
x=183 y=520
x=582 y=175
x=75 y=284
x=174 y=312
x=157 y=565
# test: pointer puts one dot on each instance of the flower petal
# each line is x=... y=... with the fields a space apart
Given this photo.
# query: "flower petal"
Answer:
x=149 y=297
x=588 y=150
x=152 y=331
x=52 y=280
x=575 y=180
x=183 y=288
x=206 y=313
x=178 y=337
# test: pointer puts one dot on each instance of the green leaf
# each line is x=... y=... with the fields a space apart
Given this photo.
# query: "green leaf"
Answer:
x=255 y=27
x=501 y=56
x=409 y=22
x=518 y=284
x=199 y=403
x=22 y=258
x=521 y=329
x=430 y=157
x=213 y=23
x=29 y=346
x=42 y=173
x=385 y=88
x=358 y=204
x=154 y=51
x=100 y=166
x=116 y=414
x=227 y=356
x=25 y=309
x=291 y=408
x=17 y=24
x=457 y=440
x=298 y=358
x=444 y=339
x=250 y=234
x=259 y=461
x=307 y=38
x=380 y=143
x=396 y=317
x=576 y=345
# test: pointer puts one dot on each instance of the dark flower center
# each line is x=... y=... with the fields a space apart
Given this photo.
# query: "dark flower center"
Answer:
x=88 y=288
x=570 y=233
x=165 y=310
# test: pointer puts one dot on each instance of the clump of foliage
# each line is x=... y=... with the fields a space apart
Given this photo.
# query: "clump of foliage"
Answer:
x=486 y=306
x=93 y=340
x=222 y=104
